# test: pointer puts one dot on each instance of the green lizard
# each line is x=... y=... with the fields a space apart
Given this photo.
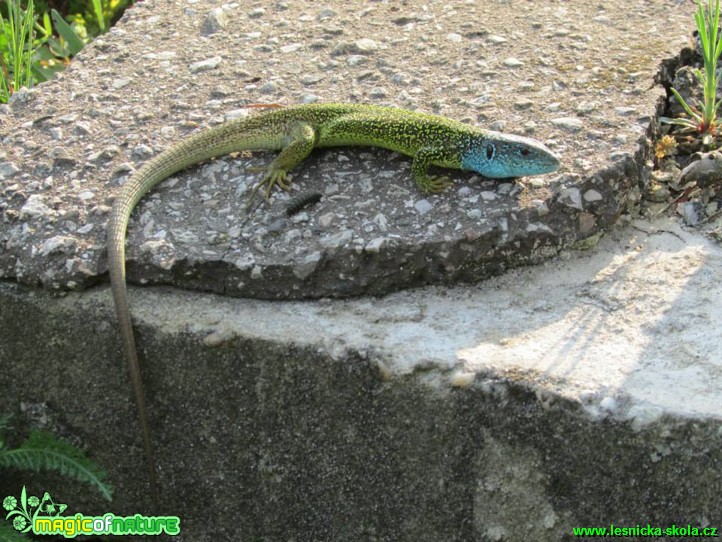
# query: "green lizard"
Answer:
x=296 y=131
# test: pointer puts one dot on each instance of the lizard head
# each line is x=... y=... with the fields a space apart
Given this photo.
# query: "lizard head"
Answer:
x=496 y=155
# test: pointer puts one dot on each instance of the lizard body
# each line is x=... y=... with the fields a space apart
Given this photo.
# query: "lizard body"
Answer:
x=296 y=131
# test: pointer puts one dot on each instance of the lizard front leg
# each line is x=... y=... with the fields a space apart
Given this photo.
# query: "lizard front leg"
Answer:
x=301 y=140
x=425 y=157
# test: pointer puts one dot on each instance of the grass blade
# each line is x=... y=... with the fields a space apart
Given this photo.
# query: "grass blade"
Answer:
x=98 y=9
x=686 y=107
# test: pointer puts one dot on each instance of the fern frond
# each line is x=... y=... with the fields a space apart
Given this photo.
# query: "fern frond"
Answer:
x=44 y=451
x=9 y=534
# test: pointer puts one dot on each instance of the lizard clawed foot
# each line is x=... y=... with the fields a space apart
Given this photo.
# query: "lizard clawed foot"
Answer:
x=274 y=177
x=436 y=184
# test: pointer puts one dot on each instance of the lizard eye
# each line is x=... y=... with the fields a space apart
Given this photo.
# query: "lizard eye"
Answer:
x=525 y=152
x=490 y=150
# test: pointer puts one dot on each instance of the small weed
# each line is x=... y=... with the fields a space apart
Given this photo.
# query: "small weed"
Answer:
x=703 y=119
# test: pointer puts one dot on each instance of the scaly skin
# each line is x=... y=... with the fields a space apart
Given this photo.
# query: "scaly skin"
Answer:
x=296 y=131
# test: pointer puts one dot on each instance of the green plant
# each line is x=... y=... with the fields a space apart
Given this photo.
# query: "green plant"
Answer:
x=92 y=18
x=30 y=53
x=704 y=119
x=43 y=451
x=99 y=17
x=16 y=50
x=37 y=42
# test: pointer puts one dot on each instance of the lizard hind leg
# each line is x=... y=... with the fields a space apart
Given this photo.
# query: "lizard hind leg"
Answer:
x=300 y=141
x=425 y=157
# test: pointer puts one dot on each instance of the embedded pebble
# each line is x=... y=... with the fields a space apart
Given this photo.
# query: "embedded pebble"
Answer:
x=269 y=88
x=374 y=245
x=584 y=108
x=215 y=21
x=326 y=13
x=326 y=220
x=355 y=60
x=205 y=65
x=186 y=237
x=34 y=207
x=162 y=55
x=311 y=79
x=307 y=265
x=488 y=196
x=364 y=46
x=523 y=103
x=161 y=251
x=496 y=40
x=378 y=92
x=123 y=82
x=423 y=206
x=571 y=197
x=291 y=48
x=337 y=240
x=512 y=62
x=82 y=127
x=400 y=78
x=481 y=100
x=106 y=154
x=505 y=189
x=542 y=208
x=381 y=221
x=142 y=151
x=571 y=124
x=592 y=195
x=59 y=244
x=538 y=226
x=8 y=169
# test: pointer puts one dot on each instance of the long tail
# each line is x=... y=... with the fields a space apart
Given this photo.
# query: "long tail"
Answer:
x=252 y=133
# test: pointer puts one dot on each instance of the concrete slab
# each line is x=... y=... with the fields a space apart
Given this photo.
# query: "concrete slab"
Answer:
x=565 y=74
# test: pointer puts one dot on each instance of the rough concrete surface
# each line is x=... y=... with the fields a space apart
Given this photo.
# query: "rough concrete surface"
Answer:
x=582 y=392
x=562 y=72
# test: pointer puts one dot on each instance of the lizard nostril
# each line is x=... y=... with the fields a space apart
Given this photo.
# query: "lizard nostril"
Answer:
x=525 y=152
